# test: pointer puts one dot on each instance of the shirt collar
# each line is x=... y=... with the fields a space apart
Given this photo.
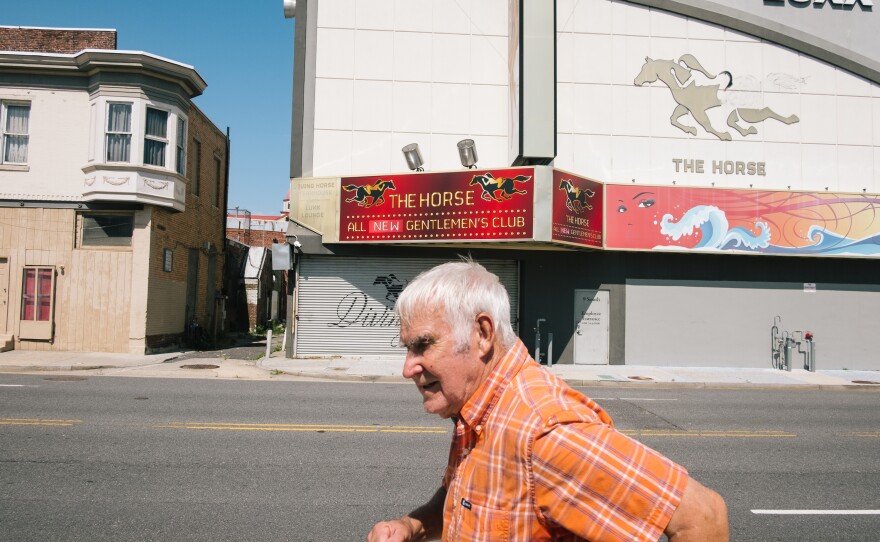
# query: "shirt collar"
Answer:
x=478 y=406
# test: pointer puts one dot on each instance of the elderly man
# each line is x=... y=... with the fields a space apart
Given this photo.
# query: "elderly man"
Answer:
x=531 y=459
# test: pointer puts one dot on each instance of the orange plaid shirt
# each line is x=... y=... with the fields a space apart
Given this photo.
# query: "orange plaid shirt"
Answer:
x=532 y=459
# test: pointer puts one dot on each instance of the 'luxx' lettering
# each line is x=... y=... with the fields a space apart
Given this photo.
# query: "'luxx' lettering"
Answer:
x=864 y=3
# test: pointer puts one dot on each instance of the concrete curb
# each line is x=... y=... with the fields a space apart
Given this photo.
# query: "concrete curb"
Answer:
x=578 y=382
x=379 y=371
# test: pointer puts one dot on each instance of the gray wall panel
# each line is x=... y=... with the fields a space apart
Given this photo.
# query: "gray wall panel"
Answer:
x=702 y=323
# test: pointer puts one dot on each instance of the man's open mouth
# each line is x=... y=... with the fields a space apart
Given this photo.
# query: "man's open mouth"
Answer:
x=433 y=386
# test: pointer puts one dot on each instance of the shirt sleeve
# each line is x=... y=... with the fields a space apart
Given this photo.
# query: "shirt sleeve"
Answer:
x=601 y=485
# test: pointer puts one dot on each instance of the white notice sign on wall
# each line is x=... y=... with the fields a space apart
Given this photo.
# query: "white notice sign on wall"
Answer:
x=591 y=326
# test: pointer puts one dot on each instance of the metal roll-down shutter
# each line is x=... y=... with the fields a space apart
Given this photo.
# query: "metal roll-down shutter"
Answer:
x=345 y=305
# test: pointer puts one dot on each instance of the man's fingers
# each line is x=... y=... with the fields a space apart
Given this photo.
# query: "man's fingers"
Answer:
x=388 y=531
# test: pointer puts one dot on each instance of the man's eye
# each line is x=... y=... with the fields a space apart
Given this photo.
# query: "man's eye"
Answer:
x=419 y=346
x=647 y=203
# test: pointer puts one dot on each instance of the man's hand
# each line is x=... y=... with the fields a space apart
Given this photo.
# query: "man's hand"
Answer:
x=423 y=523
x=700 y=517
x=396 y=530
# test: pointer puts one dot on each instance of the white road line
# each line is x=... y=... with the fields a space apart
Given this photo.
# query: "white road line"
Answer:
x=17 y=386
x=819 y=512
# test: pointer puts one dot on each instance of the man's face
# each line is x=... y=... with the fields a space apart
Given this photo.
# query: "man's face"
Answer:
x=445 y=378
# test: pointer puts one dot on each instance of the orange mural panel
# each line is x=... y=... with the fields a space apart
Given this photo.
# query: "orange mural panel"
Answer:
x=752 y=221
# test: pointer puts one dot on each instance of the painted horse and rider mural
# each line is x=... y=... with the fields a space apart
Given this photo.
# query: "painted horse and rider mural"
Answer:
x=696 y=99
x=499 y=189
x=369 y=195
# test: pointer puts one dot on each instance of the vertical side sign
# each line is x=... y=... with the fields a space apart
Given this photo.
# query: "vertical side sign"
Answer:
x=314 y=202
x=577 y=210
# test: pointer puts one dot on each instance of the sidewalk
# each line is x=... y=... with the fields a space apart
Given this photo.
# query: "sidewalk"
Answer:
x=384 y=370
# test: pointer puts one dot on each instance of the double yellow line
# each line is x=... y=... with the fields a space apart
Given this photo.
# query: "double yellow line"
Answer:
x=37 y=421
x=726 y=434
x=314 y=428
x=332 y=428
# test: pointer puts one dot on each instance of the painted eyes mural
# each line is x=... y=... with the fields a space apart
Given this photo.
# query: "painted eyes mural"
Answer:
x=641 y=203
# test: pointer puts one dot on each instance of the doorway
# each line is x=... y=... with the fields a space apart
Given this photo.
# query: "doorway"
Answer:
x=4 y=293
x=592 y=325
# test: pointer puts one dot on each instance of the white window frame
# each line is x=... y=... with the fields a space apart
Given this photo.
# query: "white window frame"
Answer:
x=4 y=104
x=174 y=142
x=162 y=140
x=180 y=153
x=108 y=133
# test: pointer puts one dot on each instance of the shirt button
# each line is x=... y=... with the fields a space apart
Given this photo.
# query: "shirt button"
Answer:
x=478 y=428
x=465 y=452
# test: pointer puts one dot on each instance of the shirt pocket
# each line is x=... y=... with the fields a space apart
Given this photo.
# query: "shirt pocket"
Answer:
x=478 y=523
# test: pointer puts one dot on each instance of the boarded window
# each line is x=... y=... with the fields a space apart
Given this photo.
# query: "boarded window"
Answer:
x=108 y=230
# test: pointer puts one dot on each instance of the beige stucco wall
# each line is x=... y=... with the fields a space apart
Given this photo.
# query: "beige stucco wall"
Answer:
x=92 y=287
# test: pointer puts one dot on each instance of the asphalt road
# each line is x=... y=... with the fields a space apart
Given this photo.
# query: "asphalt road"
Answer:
x=113 y=458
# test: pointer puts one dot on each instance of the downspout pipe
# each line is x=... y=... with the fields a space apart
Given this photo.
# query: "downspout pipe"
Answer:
x=226 y=188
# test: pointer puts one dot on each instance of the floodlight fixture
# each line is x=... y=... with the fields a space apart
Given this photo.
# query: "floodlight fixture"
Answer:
x=413 y=157
x=467 y=152
x=289 y=9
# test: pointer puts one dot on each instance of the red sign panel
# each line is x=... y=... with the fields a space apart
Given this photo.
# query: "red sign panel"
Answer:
x=463 y=205
x=577 y=210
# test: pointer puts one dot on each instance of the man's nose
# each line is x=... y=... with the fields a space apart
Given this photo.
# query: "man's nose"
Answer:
x=411 y=366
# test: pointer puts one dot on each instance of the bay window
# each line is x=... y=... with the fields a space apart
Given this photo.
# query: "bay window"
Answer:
x=15 y=123
x=119 y=132
x=181 y=146
x=155 y=137
x=142 y=133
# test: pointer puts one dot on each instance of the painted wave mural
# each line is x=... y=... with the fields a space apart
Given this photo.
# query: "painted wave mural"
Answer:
x=746 y=221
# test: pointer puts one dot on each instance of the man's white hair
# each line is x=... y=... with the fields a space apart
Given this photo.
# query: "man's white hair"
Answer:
x=463 y=290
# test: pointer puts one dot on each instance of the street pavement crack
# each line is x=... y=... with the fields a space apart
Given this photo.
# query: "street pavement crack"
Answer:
x=654 y=414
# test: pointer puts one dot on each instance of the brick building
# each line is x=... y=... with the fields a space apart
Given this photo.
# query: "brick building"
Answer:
x=257 y=295
x=112 y=196
x=55 y=40
x=256 y=230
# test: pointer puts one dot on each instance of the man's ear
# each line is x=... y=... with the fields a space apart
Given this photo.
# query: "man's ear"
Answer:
x=486 y=331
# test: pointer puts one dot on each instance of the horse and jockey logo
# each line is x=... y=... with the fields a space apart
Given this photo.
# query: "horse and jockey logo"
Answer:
x=393 y=286
x=500 y=189
x=575 y=197
x=696 y=99
x=369 y=195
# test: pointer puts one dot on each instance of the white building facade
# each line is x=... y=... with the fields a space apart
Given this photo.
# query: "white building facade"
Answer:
x=737 y=145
